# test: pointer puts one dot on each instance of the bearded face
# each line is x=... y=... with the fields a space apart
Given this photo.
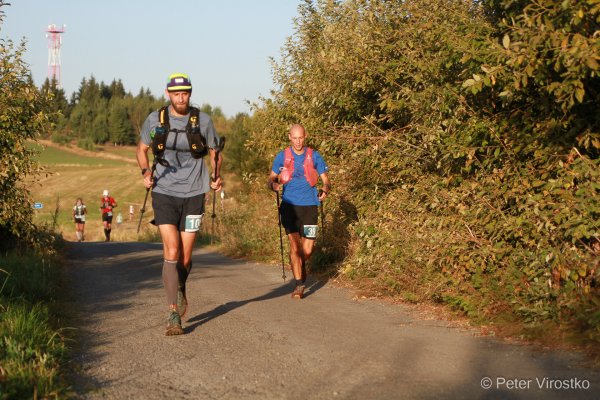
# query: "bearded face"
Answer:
x=180 y=101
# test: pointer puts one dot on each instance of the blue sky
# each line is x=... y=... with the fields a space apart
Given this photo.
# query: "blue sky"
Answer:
x=224 y=45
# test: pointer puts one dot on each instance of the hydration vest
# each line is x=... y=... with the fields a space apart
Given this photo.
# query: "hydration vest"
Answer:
x=310 y=172
x=198 y=148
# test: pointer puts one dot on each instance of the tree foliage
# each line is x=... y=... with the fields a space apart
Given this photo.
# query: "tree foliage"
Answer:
x=463 y=143
x=23 y=117
x=102 y=113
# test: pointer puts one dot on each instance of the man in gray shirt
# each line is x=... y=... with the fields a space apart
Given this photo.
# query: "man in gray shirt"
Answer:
x=179 y=135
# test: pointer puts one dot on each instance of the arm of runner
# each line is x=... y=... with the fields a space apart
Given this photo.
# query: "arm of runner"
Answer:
x=143 y=162
x=217 y=183
x=324 y=192
x=272 y=182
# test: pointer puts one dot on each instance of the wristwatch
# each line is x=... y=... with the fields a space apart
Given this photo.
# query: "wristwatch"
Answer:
x=144 y=171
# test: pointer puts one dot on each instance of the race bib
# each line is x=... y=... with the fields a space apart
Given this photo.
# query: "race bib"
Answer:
x=81 y=218
x=310 y=231
x=193 y=222
x=109 y=213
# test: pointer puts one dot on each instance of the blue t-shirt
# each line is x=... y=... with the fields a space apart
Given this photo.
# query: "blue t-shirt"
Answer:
x=298 y=191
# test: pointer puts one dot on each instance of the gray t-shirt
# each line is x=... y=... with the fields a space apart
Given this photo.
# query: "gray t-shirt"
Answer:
x=185 y=176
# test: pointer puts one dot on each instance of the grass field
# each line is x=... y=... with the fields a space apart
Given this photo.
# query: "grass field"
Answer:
x=57 y=157
x=71 y=175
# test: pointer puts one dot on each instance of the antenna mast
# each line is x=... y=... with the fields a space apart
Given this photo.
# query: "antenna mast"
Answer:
x=54 y=42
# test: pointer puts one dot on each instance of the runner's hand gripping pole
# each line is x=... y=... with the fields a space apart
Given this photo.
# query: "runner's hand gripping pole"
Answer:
x=219 y=145
x=143 y=209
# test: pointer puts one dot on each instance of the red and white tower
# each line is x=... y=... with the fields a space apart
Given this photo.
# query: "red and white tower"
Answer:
x=54 y=42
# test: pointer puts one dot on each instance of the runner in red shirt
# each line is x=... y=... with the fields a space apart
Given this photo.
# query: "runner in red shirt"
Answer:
x=107 y=203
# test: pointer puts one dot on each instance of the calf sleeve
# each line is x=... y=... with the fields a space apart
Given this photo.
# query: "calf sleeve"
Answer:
x=170 y=280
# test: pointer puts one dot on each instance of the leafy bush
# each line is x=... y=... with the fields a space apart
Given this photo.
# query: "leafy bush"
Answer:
x=22 y=118
x=59 y=138
x=463 y=147
x=86 y=144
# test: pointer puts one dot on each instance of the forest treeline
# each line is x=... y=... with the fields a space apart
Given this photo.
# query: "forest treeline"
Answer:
x=100 y=113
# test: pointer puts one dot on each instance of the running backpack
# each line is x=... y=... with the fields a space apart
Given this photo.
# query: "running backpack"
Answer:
x=310 y=172
x=198 y=148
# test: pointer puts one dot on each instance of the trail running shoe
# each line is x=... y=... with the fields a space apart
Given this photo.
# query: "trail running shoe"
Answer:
x=174 y=324
x=298 y=292
x=182 y=303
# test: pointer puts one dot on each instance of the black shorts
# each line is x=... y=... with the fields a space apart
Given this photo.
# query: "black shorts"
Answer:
x=299 y=219
x=79 y=221
x=107 y=218
x=170 y=210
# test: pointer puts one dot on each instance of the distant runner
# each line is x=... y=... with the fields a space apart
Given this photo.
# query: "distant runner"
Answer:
x=107 y=203
x=180 y=136
x=297 y=169
x=79 y=211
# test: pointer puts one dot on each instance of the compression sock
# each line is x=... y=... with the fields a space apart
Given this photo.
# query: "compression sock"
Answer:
x=108 y=234
x=170 y=280
x=78 y=235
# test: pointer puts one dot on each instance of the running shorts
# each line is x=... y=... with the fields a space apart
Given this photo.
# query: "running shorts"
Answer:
x=299 y=219
x=170 y=210
x=106 y=217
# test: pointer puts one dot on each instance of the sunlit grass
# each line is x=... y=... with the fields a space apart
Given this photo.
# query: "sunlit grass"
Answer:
x=32 y=348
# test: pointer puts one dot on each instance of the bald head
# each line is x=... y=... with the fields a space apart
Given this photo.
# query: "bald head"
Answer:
x=297 y=128
x=297 y=136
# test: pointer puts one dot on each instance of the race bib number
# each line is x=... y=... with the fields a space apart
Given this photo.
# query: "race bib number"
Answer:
x=109 y=213
x=192 y=223
x=310 y=231
x=81 y=218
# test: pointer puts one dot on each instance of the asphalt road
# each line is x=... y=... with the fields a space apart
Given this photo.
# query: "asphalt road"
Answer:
x=247 y=339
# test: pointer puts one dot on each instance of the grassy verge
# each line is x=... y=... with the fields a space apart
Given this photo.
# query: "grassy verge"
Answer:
x=33 y=348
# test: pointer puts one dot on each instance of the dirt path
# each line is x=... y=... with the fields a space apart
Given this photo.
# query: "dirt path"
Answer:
x=246 y=339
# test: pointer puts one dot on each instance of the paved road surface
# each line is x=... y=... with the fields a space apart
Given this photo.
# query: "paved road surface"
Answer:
x=247 y=339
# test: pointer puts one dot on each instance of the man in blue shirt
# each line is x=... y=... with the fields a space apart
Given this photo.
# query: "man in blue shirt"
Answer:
x=297 y=169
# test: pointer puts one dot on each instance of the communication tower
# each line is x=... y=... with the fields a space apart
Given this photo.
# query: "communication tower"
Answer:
x=54 y=42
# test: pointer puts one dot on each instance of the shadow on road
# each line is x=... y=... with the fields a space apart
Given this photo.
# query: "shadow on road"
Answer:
x=283 y=290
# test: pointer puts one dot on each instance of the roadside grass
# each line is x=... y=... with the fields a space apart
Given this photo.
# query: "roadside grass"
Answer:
x=33 y=348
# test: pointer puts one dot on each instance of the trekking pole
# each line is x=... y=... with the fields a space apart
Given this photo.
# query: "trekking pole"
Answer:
x=143 y=209
x=280 y=237
x=322 y=216
x=219 y=144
